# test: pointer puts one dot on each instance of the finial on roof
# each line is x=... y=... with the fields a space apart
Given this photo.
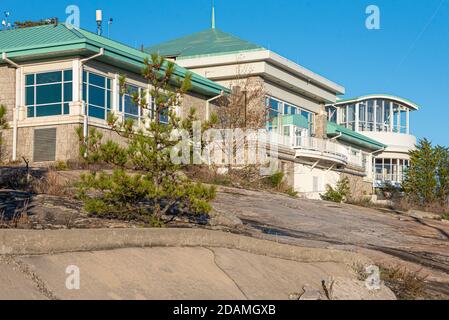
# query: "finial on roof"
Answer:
x=213 y=14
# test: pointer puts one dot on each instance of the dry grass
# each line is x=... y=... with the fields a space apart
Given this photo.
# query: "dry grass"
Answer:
x=19 y=220
x=405 y=284
x=246 y=178
x=51 y=184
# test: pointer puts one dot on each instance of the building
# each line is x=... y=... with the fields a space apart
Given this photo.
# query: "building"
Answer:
x=384 y=118
x=314 y=152
x=55 y=79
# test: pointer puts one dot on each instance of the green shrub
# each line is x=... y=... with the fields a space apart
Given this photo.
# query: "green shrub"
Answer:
x=145 y=184
x=340 y=194
x=276 y=180
x=61 y=166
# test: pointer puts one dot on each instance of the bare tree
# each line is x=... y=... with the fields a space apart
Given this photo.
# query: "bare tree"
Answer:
x=245 y=107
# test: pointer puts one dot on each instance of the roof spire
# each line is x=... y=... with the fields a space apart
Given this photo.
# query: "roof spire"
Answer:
x=213 y=14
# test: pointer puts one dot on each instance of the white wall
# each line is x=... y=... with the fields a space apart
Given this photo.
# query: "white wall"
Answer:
x=305 y=179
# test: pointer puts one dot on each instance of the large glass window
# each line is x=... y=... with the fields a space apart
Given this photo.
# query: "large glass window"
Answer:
x=362 y=117
x=130 y=109
x=351 y=117
x=396 y=118
x=48 y=93
x=370 y=115
x=379 y=116
x=404 y=120
x=97 y=93
x=387 y=115
x=391 y=170
x=277 y=109
x=274 y=108
x=289 y=109
x=332 y=114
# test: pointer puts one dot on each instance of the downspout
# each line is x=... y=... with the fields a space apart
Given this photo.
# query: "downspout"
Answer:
x=336 y=137
x=372 y=162
x=16 y=108
x=208 y=104
x=84 y=106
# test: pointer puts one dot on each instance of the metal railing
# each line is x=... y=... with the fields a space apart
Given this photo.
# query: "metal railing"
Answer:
x=322 y=146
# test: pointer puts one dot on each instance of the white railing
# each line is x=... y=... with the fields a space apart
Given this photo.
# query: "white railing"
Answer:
x=322 y=146
x=356 y=160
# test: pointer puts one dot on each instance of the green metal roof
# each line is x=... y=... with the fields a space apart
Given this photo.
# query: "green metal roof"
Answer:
x=207 y=42
x=407 y=102
x=353 y=137
x=51 y=41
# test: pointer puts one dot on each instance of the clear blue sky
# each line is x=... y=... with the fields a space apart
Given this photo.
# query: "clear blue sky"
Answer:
x=408 y=57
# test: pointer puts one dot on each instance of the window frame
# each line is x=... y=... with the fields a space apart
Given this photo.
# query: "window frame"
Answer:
x=108 y=88
x=63 y=83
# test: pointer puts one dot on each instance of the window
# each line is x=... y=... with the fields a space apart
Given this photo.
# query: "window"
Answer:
x=403 y=120
x=289 y=109
x=310 y=119
x=379 y=116
x=396 y=118
x=387 y=116
x=331 y=114
x=97 y=93
x=369 y=116
x=362 y=117
x=48 y=93
x=391 y=170
x=130 y=109
x=351 y=117
x=274 y=107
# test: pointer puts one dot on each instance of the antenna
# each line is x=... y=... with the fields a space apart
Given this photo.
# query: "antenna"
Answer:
x=5 y=22
x=110 y=21
x=99 y=19
x=213 y=14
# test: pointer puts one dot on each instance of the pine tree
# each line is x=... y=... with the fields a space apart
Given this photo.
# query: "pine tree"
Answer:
x=421 y=183
x=146 y=183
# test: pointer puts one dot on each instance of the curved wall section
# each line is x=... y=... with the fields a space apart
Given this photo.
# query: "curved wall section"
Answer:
x=396 y=142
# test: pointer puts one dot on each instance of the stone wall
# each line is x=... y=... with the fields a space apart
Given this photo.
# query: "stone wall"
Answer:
x=8 y=90
x=67 y=142
x=359 y=187
x=7 y=99
x=321 y=124
x=194 y=101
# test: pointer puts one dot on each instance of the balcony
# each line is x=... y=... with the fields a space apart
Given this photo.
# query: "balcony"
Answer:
x=321 y=149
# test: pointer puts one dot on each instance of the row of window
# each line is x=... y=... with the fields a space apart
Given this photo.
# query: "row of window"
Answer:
x=374 y=115
x=49 y=94
x=393 y=170
x=278 y=108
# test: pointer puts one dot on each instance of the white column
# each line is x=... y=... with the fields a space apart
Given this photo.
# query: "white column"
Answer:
x=375 y=102
x=147 y=112
x=115 y=94
x=16 y=111
x=357 y=118
x=76 y=107
x=391 y=116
